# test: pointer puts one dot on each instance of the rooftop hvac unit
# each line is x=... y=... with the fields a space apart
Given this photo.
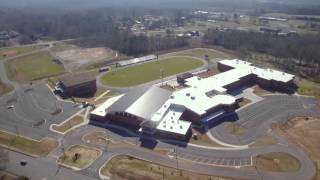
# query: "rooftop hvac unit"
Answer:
x=193 y=97
x=187 y=94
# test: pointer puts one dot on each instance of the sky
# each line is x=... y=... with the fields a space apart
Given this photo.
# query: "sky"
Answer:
x=138 y=3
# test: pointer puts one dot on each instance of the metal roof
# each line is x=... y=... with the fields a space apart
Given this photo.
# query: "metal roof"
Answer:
x=73 y=79
x=127 y=100
x=149 y=102
x=141 y=102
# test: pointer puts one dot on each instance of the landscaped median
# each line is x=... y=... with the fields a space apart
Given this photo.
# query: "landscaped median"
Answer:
x=277 y=162
x=65 y=126
x=26 y=145
x=126 y=167
x=78 y=157
x=150 y=71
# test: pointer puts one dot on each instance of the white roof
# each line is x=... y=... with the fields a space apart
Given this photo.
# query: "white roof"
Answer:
x=242 y=68
x=196 y=99
x=171 y=121
x=101 y=110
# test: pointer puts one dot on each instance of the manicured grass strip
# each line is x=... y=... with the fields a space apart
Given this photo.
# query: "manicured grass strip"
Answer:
x=26 y=145
x=15 y=51
x=33 y=67
x=65 y=126
x=146 y=72
x=87 y=156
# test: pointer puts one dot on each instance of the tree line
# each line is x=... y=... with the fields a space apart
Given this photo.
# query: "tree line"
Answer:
x=294 y=53
x=107 y=27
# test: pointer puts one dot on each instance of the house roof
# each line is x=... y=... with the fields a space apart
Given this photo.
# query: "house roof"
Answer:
x=77 y=78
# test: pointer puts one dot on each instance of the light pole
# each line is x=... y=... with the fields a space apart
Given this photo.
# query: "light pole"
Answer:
x=162 y=73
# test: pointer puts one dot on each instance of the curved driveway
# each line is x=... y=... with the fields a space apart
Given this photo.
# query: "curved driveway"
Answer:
x=257 y=118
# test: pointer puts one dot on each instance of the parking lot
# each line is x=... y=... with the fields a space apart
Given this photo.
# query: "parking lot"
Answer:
x=217 y=161
x=31 y=109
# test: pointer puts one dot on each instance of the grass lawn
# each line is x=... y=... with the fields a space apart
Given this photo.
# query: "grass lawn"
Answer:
x=87 y=156
x=15 y=51
x=146 y=72
x=65 y=126
x=4 y=88
x=125 y=167
x=201 y=52
x=309 y=90
x=277 y=162
x=29 y=146
x=33 y=67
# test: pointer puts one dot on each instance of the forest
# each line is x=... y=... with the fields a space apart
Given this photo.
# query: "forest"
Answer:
x=294 y=53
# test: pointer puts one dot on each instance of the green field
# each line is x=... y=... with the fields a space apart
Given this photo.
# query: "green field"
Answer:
x=32 y=67
x=15 y=51
x=146 y=72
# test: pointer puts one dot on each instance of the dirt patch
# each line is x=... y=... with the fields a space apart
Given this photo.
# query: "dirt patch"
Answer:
x=85 y=54
x=277 y=162
x=85 y=157
x=65 y=126
x=4 y=175
x=260 y=91
x=125 y=167
x=235 y=129
x=244 y=101
x=4 y=88
x=77 y=57
x=263 y=141
x=296 y=130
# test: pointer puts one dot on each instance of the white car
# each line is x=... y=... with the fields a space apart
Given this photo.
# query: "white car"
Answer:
x=10 y=107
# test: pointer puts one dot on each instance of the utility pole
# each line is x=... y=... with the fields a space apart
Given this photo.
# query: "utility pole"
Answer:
x=161 y=70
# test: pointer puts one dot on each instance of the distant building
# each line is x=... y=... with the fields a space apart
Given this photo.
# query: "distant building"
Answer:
x=268 y=18
x=78 y=84
x=137 y=60
x=270 y=30
x=181 y=79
